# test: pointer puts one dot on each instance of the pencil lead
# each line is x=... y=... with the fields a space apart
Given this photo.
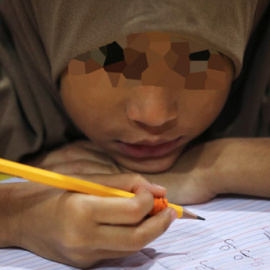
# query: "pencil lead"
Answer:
x=189 y=215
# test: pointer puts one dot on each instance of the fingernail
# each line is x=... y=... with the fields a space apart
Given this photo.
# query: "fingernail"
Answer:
x=173 y=214
x=158 y=186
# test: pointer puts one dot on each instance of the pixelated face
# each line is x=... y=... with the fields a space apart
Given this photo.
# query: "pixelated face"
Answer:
x=144 y=98
x=154 y=59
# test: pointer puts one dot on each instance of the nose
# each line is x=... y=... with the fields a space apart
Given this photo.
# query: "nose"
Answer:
x=152 y=106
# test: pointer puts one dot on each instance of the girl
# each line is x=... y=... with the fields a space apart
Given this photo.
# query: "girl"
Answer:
x=127 y=94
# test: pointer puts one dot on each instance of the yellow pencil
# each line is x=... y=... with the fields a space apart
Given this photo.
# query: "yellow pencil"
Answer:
x=4 y=176
x=73 y=184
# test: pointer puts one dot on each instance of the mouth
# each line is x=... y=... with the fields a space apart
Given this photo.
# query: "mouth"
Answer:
x=148 y=149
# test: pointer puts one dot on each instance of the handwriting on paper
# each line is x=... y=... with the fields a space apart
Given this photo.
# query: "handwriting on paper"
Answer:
x=240 y=254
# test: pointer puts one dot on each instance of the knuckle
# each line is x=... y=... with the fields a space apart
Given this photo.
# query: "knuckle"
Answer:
x=136 y=211
x=138 y=178
x=81 y=206
x=79 y=166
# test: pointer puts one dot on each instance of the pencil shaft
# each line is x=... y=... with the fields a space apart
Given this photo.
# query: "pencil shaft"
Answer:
x=70 y=183
x=59 y=181
x=4 y=176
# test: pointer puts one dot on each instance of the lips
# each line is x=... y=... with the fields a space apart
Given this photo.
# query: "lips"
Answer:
x=146 y=149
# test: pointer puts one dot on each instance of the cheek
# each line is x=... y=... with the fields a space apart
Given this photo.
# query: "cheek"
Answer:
x=207 y=103
x=89 y=109
x=199 y=108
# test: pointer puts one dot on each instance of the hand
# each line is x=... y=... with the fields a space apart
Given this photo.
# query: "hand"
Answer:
x=80 y=230
x=224 y=166
x=194 y=178
x=80 y=157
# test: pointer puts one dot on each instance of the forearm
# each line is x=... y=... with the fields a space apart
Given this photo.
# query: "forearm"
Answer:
x=16 y=202
x=9 y=228
x=237 y=165
x=243 y=167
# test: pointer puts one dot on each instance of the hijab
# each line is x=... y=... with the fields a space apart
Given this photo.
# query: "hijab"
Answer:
x=39 y=38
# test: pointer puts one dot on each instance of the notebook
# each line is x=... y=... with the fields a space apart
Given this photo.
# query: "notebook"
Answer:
x=235 y=235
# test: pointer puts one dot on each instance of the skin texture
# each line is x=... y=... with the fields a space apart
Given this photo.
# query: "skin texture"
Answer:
x=172 y=101
x=79 y=227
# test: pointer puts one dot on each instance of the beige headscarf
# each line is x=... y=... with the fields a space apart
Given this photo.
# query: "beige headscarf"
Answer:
x=47 y=34
x=68 y=29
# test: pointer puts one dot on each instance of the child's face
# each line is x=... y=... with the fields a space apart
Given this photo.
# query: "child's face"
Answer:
x=144 y=98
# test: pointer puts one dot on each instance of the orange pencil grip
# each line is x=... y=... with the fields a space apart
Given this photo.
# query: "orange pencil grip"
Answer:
x=159 y=204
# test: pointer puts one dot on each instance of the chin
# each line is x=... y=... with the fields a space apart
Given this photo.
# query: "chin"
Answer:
x=157 y=165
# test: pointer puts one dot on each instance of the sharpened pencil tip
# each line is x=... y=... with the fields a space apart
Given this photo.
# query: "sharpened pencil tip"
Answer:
x=189 y=215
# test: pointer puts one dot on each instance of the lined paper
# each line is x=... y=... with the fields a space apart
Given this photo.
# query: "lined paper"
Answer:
x=235 y=235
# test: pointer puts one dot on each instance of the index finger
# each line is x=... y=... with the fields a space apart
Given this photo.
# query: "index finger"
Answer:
x=130 y=182
x=120 y=210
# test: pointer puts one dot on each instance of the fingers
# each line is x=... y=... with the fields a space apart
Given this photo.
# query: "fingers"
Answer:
x=121 y=241
x=79 y=168
x=71 y=153
x=79 y=150
x=134 y=238
x=110 y=227
x=130 y=182
x=120 y=210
